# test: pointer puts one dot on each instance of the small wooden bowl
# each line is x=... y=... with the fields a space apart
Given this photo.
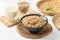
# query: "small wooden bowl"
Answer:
x=55 y=19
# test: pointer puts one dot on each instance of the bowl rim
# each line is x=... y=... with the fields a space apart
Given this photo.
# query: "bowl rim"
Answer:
x=34 y=15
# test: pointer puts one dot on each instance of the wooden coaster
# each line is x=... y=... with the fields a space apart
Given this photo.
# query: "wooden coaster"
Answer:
x=24 y=32
x=8 y=21
x=56 y=21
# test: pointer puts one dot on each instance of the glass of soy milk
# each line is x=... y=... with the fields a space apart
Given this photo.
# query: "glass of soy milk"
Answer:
x=11 y=11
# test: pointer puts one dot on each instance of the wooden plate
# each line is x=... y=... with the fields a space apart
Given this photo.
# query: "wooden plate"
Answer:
x=24 y=32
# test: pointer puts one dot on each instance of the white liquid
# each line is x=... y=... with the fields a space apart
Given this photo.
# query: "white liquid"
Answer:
x=11 y=11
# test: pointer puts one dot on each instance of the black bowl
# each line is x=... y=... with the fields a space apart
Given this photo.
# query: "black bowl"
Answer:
x=34 y=30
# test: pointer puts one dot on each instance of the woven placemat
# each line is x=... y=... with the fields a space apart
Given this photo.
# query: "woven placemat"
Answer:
x=24 y=32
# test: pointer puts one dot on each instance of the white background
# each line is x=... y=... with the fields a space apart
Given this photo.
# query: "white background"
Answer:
x=11 y=33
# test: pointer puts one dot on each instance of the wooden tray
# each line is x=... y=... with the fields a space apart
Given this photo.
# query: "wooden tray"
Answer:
x=8 y=21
